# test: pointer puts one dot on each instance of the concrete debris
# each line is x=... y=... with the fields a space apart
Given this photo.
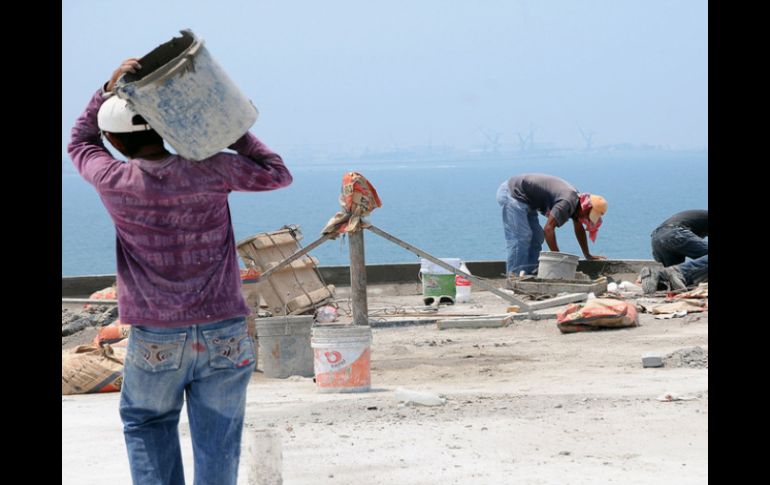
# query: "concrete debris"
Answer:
x=675 y=397
x=669 y=316
x=688 y=357
x=690 y=306
x=408 y=396
x=99 y=316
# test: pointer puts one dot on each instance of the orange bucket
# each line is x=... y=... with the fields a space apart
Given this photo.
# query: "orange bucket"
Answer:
x=342 y=357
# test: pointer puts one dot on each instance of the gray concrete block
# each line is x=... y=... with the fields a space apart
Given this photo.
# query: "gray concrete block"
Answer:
x=651 y=359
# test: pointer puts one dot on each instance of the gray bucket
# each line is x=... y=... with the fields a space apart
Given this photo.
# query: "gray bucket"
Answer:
x=557 y=266
x=187 y=98
x=284 y=344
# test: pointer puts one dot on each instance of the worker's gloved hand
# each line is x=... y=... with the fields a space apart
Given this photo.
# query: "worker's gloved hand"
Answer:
x=129 y=65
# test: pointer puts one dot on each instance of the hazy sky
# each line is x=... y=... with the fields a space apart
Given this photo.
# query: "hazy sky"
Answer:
x=343 y=75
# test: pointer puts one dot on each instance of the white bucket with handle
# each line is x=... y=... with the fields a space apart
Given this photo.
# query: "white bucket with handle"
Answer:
x=557 y=266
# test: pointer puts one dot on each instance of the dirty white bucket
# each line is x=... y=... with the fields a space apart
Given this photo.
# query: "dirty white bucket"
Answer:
x=187 y=98
x=430 y=267
x=284 y=344
x=341 y=357
x=557 y=266
x=437 y=281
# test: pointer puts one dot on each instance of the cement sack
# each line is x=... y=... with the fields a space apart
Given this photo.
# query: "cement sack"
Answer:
x=250 y=288
x=112 y=334
x=109 y=293
x=689 y=306
x=597 y=314
x=87 y=369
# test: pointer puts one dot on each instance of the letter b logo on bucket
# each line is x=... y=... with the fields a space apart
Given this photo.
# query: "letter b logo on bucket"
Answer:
x=333 y=357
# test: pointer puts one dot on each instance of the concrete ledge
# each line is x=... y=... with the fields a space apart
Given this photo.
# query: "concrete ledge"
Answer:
x=404 y=272
x=407 y=272
x=83 y=286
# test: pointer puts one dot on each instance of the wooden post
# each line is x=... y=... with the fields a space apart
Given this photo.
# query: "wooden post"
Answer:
x=358 y=278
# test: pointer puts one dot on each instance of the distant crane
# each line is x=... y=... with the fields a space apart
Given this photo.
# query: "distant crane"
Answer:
x=528 y=142
x=587 y=137
x=493 y=139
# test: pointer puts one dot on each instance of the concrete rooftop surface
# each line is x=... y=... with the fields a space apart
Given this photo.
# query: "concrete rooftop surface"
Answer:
x=525 y=404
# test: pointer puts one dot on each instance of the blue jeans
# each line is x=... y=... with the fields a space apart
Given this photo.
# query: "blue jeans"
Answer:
x=211 y=365
x=671 y=244
x=695 y=270
x=523 y=235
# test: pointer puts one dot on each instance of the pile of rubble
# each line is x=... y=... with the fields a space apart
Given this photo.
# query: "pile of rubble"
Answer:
x=80 y=326
x=688 y=357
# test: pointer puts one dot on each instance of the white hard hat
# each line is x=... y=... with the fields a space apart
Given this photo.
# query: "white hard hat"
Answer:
x=116 y=116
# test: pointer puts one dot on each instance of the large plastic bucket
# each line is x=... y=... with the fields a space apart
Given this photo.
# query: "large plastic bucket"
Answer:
x=437 y=281
x=557 y=266
x=187 y=98
x=284 y=344
x=341 y=357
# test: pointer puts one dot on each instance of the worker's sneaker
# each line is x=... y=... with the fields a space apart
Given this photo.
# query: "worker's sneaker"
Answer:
x=649 y=279
x=674 y=278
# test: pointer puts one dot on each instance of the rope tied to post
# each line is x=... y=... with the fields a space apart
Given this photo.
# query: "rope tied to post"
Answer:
x=358 y=199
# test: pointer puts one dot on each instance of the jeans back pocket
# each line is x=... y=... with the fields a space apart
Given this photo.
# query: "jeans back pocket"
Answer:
x=229 y=347
x=155 y=352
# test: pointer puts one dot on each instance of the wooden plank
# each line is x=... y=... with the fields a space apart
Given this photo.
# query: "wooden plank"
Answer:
x=374 y=323
x=291 y=282
x=448 y=267
x=494 y=322
x=534 y=316
x=285 y=287
x=482 y=317
x=559 y=300
x=296 y=255
x=262 y=240
x=433 y=314
x=267 y=257
x=310 y=300
x=306 y=262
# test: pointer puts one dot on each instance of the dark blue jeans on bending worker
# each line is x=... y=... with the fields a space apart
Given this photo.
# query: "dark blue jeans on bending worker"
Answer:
x=695 y=270
x=523 y=235
x=671 y=244
x=211 y=365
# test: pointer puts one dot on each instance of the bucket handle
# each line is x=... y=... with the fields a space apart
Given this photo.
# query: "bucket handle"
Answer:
x=167 y=71
x=189 y=58
x=566 y=258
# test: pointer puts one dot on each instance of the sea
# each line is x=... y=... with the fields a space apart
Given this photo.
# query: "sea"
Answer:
x=444 y=207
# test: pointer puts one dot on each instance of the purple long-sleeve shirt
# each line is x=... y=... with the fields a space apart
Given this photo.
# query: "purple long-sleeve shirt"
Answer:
x=176 y=254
